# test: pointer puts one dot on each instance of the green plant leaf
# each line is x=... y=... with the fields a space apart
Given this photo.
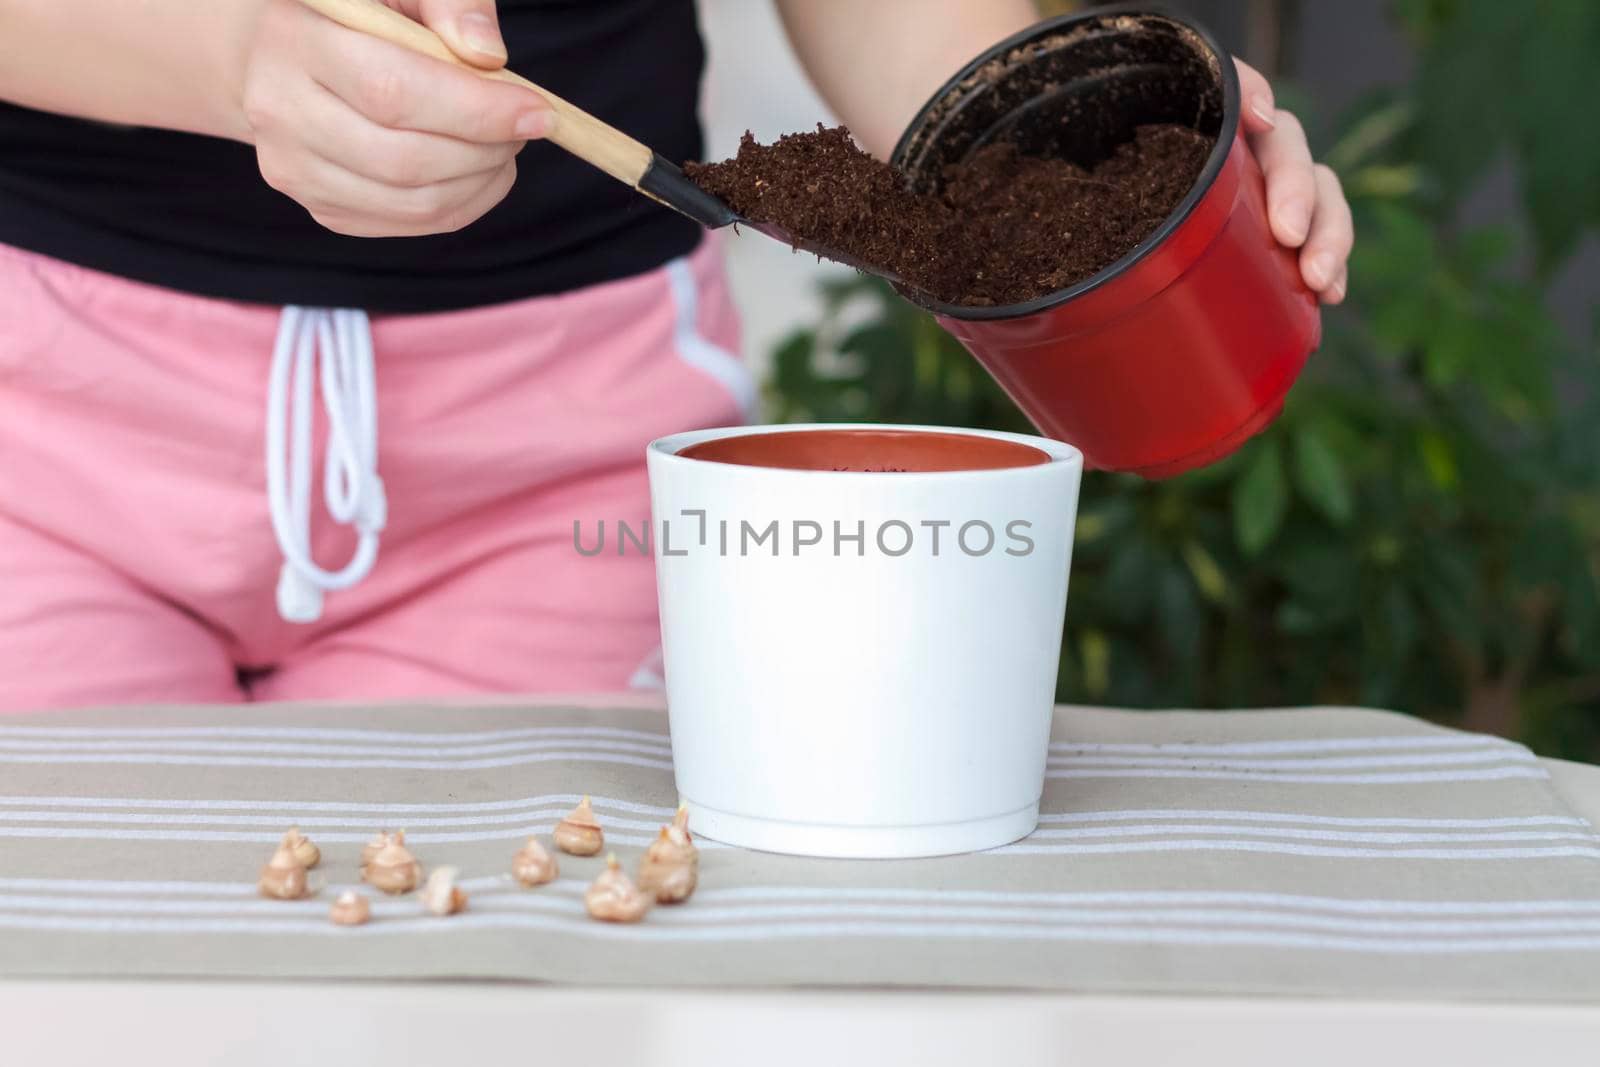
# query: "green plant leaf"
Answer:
x=1319 y=570
x=1212 y=474
x=1102 y=518
x=1369 y=134
x=1541 y=56
x=1320 y=476
x=1127 y=585
x=1438 y=459
x=1385 y=182
x=1260 y=499
x=1095 y=650
x=1448 y=582
x=791 y=361
x=1580 y=631
x=1208 y=576
x=1399 y=622
x=1178 y=614
x=1298 y=619
x=1544 y=554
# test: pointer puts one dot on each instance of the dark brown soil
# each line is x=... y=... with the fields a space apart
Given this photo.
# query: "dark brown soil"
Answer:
x=1005 y=228
x=824 y=191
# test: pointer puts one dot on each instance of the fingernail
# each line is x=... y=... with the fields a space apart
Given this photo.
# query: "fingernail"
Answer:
x=1338 y=290
x=481 y=34
x=532 y=124
x=1319 y=269
x=1263 y=111
x=1296 y=221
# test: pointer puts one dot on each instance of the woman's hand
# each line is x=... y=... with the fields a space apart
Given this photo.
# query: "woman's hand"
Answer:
x=1305 y=205
x=375 y=140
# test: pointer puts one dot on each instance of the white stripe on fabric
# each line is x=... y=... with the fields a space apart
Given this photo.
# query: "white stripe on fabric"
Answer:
x=135 y=887
x=646 y=932
x=308 y=763
x=472 y=737
x=128 y=886
x=1078 y=754
x=1029 y=846
x=505 y=903
x=508 y=833
x=1300 y=834
x=1146 y=898
x=1285 y=849
x=1089 y=916
x=56 y=753
x=1487 y=774
x=314 y=823
x=1319 y=744
x=663 y=747
x=698 y=351
x=573 y=887
x=322 y=825
x=292 y=806
x=1308 y=763
x=290 y=748
x=292 y=733
x=1236 y=815
x=243 y=905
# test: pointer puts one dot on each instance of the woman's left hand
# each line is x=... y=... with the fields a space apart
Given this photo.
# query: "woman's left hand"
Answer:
x=1305 y=204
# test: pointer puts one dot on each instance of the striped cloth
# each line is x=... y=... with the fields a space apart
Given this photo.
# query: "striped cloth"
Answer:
x=1323 y=851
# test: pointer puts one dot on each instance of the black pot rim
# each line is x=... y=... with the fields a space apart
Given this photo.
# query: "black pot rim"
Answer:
x=1202 y=185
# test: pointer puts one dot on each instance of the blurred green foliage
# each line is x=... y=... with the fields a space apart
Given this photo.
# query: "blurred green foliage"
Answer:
x=1421 y=528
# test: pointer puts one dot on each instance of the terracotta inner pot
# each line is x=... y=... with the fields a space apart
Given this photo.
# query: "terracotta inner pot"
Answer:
x=878 y=451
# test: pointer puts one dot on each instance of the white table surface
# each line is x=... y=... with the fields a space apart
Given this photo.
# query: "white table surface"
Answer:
x=245 y=1024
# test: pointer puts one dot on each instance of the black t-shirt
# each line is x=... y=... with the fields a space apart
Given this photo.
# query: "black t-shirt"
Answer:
x=192 y=213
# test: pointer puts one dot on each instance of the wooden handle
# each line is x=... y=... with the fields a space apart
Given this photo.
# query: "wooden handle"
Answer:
x=571 y=127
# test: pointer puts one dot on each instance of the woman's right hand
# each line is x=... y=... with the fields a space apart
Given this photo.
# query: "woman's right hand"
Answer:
x=375 y=140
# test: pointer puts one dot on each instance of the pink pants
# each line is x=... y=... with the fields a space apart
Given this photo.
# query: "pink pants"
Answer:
x=137 y=561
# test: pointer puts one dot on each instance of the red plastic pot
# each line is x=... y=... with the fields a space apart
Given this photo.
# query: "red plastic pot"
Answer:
x=1179 y=352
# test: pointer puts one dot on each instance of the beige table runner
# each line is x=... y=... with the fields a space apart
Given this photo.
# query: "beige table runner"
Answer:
x=1296 y=852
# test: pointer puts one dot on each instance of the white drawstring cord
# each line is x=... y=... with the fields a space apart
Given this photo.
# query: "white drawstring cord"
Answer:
x=350 y=484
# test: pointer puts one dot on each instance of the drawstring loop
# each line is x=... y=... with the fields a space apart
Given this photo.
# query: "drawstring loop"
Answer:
x=338 y=343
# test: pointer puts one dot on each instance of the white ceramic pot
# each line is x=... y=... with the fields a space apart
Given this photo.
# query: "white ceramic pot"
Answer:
x=882 y=697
